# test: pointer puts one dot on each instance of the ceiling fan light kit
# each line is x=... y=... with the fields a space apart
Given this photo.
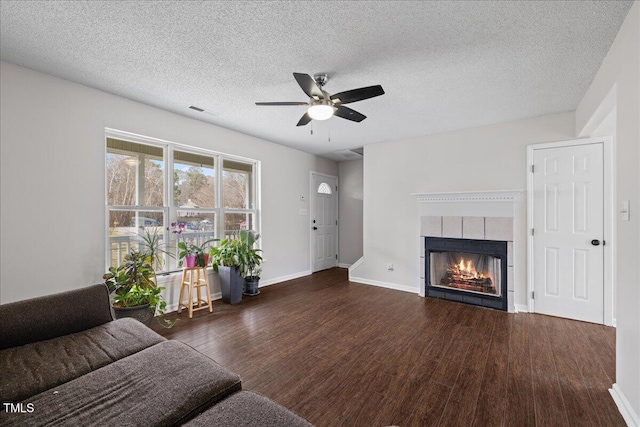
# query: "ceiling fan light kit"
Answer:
x=322 y=106
x=321 y=110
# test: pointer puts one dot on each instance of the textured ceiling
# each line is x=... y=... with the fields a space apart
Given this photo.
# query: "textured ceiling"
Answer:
x=443 y=65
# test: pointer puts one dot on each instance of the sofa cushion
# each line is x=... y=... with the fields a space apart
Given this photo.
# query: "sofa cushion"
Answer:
x=159 y=386
x=52 y=316
x=33 y=368
x=248 y=409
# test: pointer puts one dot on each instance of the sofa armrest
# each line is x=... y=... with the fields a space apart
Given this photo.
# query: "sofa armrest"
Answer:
x=52 y=316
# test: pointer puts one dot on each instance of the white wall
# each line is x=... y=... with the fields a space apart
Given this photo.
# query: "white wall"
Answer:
x=52 y=181
x=350 y=207
x=478 y=159
x=619 y=75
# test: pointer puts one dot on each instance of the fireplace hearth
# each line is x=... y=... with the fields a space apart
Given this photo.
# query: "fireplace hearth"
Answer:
x=467 y=270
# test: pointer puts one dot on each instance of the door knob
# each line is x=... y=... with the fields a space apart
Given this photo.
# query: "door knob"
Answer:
x=595 y=242
x=315 y=228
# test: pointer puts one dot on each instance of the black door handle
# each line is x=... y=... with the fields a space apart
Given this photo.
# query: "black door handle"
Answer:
x=595 y=242
x=315 y=228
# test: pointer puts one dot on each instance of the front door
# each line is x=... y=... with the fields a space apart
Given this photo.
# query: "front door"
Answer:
x=324 y=224
x=568 y=221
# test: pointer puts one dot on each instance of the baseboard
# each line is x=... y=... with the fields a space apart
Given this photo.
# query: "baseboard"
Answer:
x=383 y=284
x=521 y=308
x=264 y=283
x=217 y=295
x=631 y=418
x=355 y=265
x=342 y=265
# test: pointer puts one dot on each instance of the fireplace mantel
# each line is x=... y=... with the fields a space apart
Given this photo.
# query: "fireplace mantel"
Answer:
x=470 y=196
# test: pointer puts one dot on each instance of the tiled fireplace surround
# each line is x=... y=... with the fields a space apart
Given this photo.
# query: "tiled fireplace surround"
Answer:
x=477 y=215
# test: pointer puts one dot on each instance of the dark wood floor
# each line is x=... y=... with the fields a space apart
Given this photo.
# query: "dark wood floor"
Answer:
x=346 y=354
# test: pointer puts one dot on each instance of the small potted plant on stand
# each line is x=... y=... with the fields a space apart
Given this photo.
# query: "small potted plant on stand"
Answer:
x=191 y=254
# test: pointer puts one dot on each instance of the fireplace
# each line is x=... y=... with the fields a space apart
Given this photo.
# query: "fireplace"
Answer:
x=467 y=270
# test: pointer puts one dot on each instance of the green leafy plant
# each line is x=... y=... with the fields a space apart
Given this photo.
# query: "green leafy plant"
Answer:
x=254 y=272
x=150 y=243
x=134 y=271
x=133 y=284
x=193 y=249
x=238 y=253
x=185 y=248
x=140 y=296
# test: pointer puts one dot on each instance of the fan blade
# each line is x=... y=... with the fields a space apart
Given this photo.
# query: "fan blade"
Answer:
x=304 y=119
x=282 y=103
x=349 y=114
x=308 y=85
x=356 y=95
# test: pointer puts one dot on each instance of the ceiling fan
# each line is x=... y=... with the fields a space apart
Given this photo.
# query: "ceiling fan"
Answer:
x=322 y=105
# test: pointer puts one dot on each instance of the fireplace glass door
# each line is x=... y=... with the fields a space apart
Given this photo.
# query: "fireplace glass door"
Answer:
x=470 y=272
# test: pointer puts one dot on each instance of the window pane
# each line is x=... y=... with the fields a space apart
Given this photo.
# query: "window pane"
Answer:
x=233 y=222
x=194 y=177
x=135 y=174
x=127 y=229
x=237 y=185
x=324 y=188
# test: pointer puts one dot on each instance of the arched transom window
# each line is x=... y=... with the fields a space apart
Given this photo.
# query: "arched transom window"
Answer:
x=324 y=188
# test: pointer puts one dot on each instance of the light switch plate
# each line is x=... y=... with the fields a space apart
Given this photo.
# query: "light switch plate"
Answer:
x=302 y=212
x=624 y=210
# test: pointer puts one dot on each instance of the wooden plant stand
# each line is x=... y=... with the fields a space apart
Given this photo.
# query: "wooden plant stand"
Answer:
x=195 y=278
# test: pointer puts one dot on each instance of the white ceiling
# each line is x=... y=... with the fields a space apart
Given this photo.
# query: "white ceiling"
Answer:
x=443 y=65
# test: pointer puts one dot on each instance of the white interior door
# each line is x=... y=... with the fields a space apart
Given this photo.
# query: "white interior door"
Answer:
x=568 y=221
x=324 y=224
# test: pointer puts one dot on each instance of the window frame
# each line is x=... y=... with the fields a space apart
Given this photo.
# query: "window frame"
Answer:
x=169 y=207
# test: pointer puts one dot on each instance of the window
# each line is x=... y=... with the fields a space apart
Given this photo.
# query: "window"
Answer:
x=135 y=194
x=151 y=185
x=324 y=188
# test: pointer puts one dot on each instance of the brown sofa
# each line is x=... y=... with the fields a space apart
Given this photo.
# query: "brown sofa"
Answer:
x=65 y=361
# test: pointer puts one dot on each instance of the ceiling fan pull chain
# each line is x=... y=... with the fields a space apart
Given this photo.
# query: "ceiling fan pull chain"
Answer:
x=329 y=126
x=311 y=128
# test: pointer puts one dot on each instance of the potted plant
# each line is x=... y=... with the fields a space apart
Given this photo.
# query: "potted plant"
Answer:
x=250 y=263
x=232 y=259
x=191 y=254
x=225 y=261
x=135 y=293
x=252 y=281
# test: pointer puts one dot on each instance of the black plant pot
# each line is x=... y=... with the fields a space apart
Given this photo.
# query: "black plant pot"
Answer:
x=143 y=313
x=251 y=285
x=231 y=284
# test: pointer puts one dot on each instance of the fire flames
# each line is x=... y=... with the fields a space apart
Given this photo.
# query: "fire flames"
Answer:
x=468 y=271
x=465 y=275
